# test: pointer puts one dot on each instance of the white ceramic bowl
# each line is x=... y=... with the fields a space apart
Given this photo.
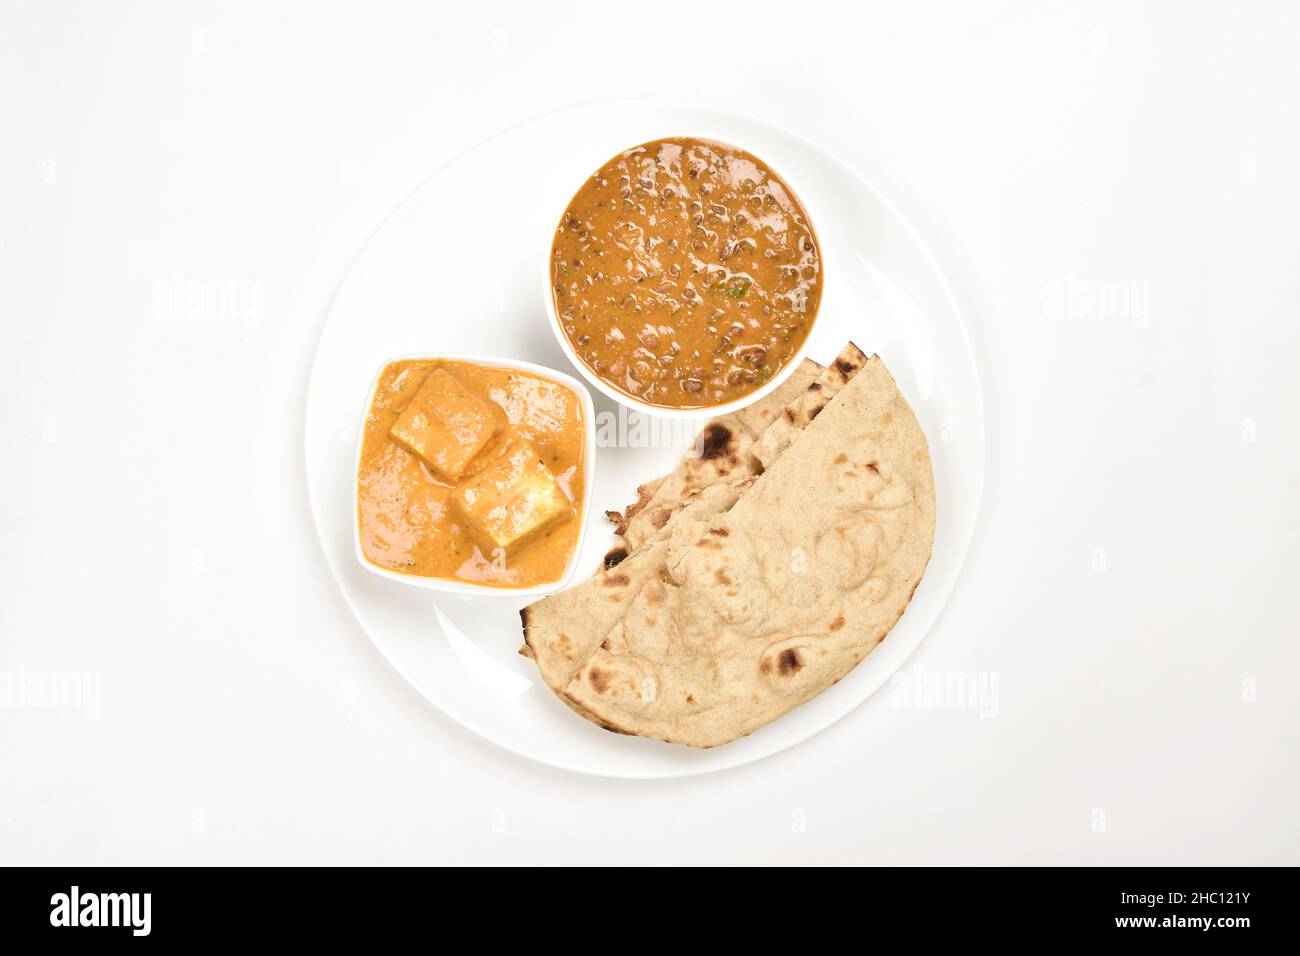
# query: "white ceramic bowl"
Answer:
x=588 y=477
x=621 y=397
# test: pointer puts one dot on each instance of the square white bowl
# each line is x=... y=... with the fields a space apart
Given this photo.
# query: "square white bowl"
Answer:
x=588 y=477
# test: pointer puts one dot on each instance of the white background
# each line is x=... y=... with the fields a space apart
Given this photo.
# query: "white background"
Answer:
x=1131 y=588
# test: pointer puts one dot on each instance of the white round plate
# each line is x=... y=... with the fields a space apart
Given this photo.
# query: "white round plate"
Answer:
x=455 y=270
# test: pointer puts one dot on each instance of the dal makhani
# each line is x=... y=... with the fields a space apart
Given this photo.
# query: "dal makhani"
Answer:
x=685 y=273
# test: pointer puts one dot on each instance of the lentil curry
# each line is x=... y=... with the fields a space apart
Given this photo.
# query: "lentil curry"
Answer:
x=471 y=473
x=685 y=273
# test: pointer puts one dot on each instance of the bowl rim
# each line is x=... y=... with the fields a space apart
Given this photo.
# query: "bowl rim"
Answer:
x=449 y=586
x=703 y=411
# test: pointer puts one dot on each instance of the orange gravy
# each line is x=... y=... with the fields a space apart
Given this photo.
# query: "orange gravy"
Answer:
x=405 y=514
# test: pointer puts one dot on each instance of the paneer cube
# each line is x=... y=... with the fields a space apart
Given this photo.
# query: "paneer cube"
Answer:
x=447 y=425
x=511 y=501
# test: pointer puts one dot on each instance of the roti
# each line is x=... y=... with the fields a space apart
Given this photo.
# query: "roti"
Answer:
x=561 y=631
x=722 y=456
x=730 y=618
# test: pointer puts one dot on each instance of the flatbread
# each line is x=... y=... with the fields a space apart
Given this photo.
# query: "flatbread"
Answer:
x=778 y=597
x=561 y=631
x=796 y=417
x=723 y=457
x=565 y=630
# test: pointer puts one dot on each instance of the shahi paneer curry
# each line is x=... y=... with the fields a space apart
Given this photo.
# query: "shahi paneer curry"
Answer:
x=685 y=273
x=471 y=473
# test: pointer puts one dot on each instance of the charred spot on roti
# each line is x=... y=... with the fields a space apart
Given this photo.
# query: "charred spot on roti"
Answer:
x=780 y=662
x=790 y=415
x=871 y=467
x=837 y=623
x=851 y=360
x=815 y=387
x=841 y=458
x=715 y=441
x=525 y=617
x=617 y=580
x=604 y=645
x=661 y=518
x=720 y=532
x=615 y=556
x=596 y=677
x=815 y=411
x=720 y=575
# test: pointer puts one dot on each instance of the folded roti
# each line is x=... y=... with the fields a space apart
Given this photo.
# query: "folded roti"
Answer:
x=735 y=617
x=561 y=631
x=723 y=458
x=782 y=428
